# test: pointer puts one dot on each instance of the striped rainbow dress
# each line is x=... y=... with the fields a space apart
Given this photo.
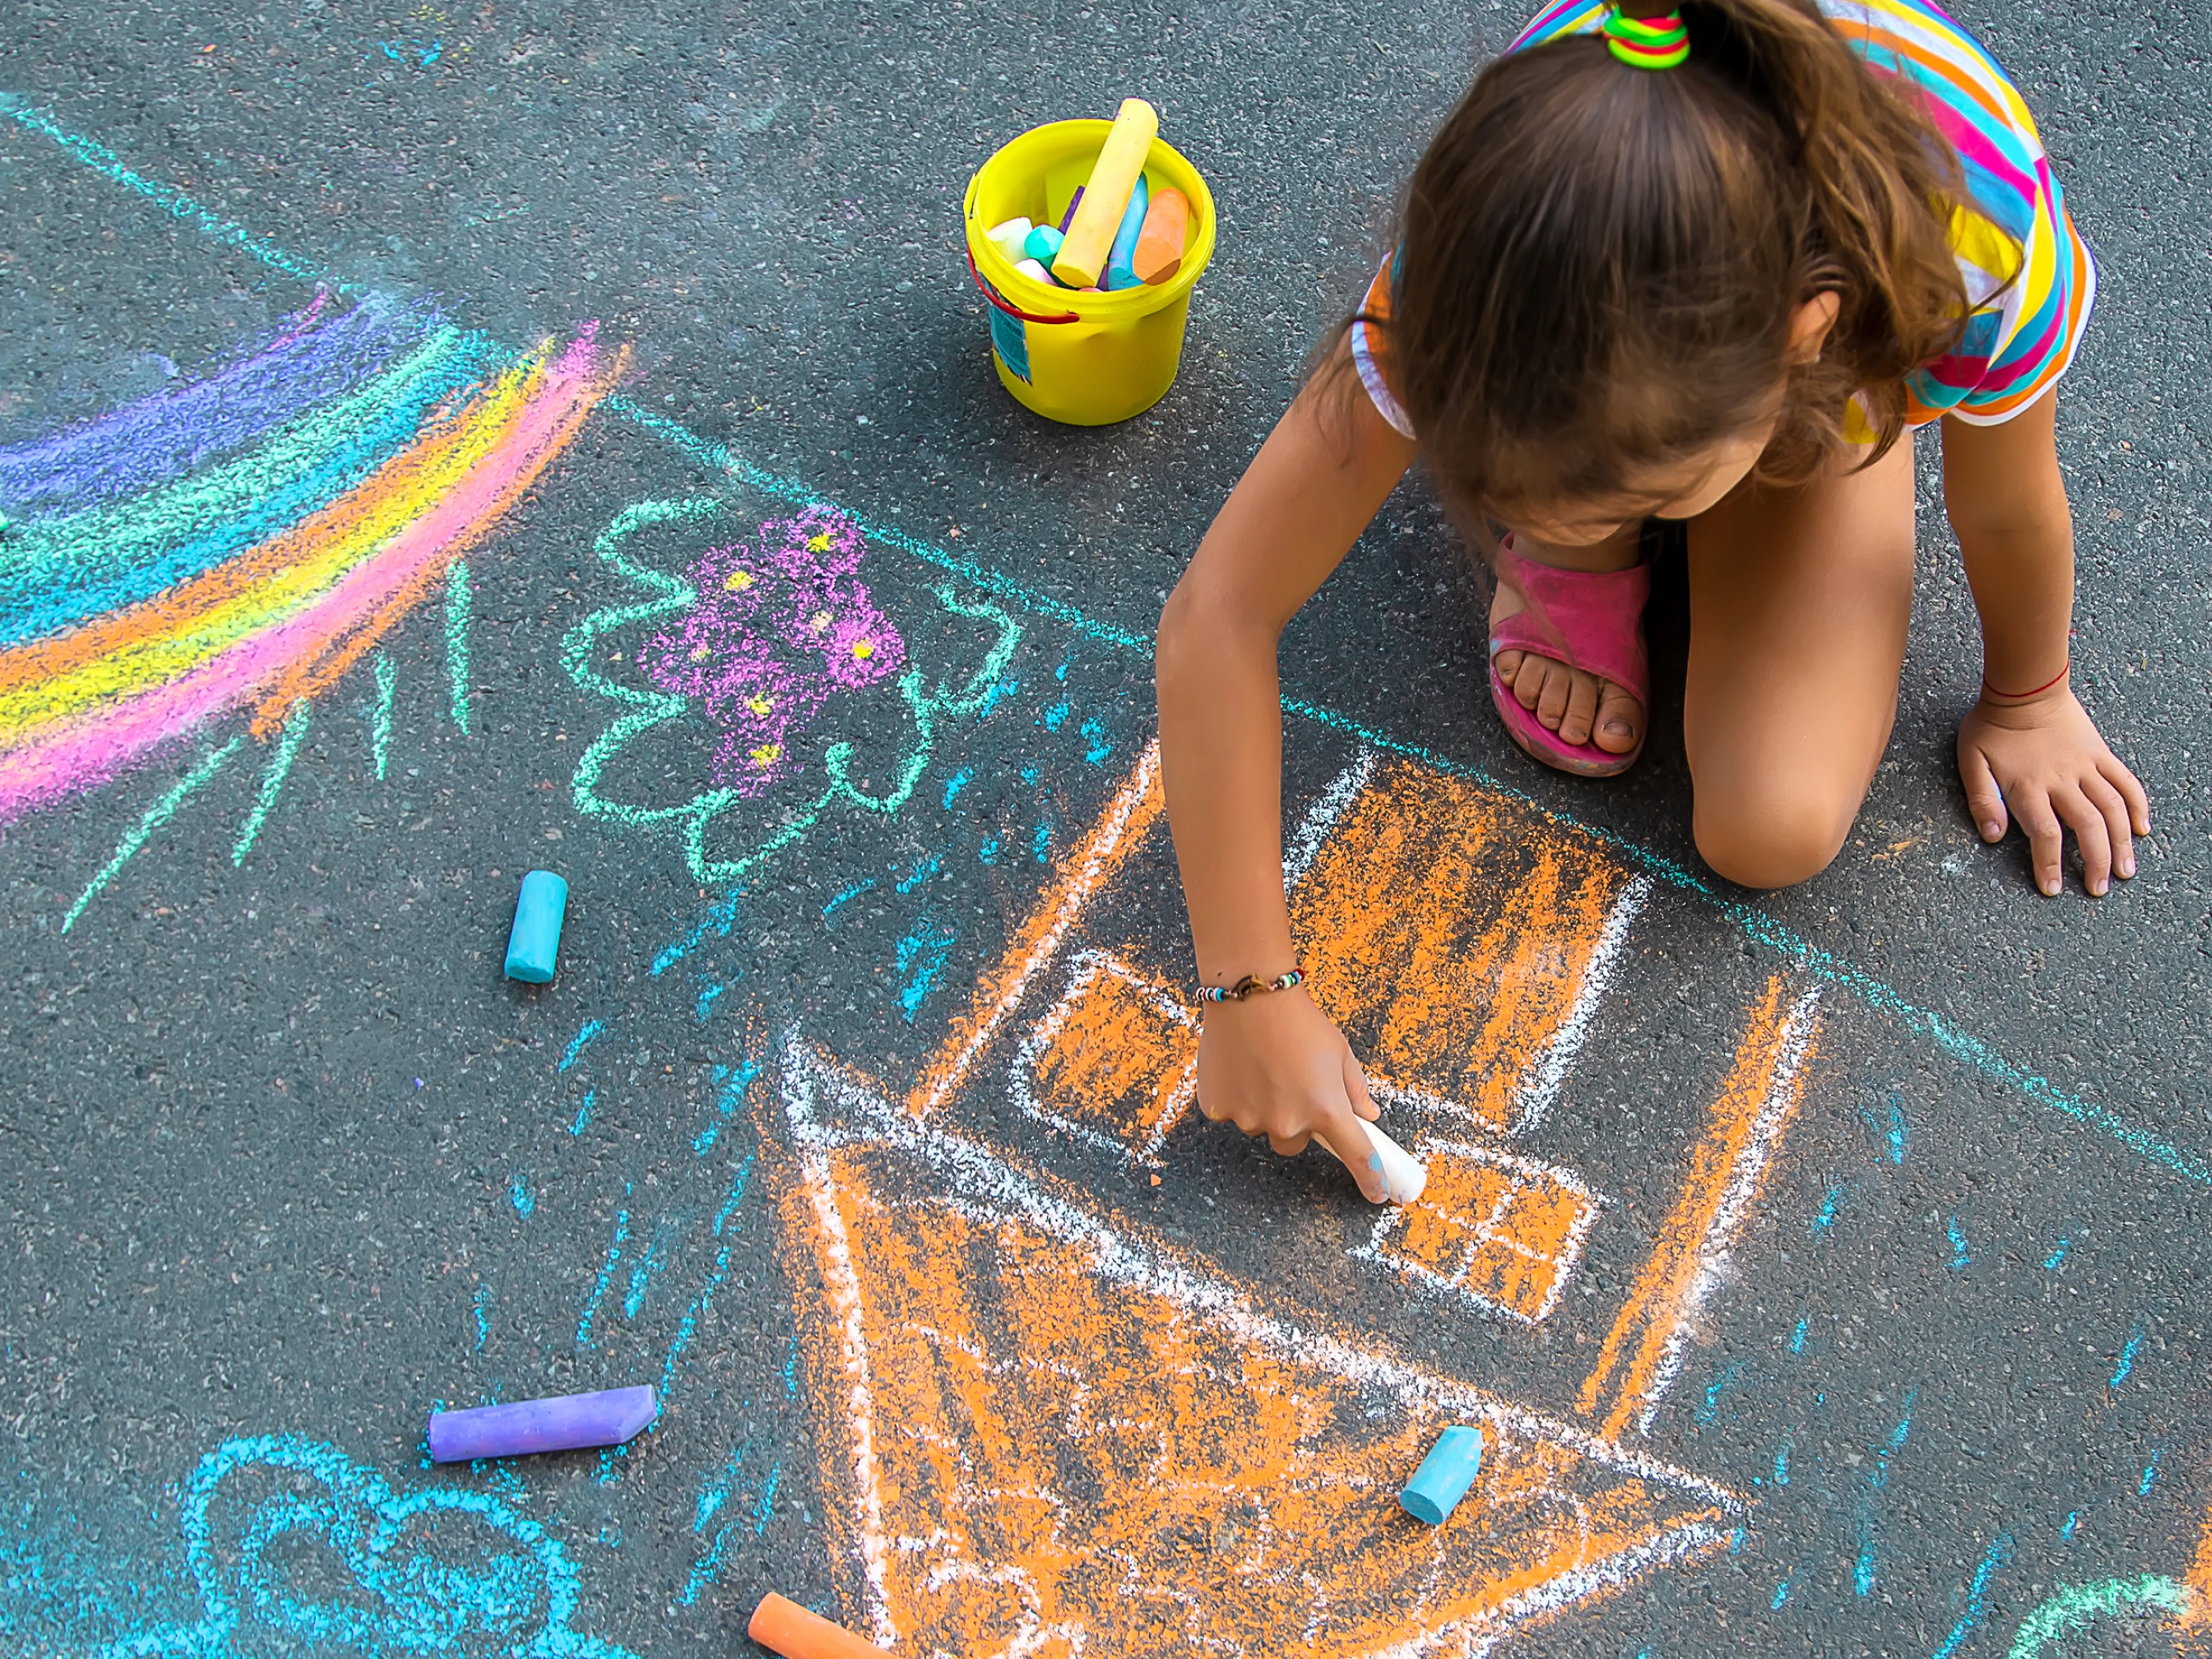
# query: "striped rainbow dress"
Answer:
x=2022 y=333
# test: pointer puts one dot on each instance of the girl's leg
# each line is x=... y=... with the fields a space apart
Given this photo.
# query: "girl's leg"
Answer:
x=1798 y=604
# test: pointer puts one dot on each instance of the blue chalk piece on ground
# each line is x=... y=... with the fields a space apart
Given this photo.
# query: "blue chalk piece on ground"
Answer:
x=533 y=944
x=568 y=1422
x=1120 y=263
x=1043 y=244
x=1444 y=1475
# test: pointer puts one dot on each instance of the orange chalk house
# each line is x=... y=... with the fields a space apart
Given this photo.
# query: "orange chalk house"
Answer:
x=1114 y=1061
x=1501 y=1233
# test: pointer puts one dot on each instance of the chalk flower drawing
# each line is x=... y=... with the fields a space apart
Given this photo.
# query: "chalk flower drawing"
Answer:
x=295 y=1547
x=234 y=545
x=778 y=625
x=760 y=636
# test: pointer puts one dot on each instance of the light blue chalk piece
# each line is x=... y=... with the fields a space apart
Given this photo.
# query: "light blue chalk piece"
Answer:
x=534 y=942
x=1120 y=263
x=1444 y=1475
x=1043 y=245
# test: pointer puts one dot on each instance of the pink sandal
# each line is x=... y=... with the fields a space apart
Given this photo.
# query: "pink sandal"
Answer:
x=1590 y=620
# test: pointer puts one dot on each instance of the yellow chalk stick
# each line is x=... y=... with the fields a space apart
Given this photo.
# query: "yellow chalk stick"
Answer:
x=1082 y=258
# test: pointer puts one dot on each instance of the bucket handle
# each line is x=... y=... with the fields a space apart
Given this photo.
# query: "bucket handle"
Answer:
x=990 y=294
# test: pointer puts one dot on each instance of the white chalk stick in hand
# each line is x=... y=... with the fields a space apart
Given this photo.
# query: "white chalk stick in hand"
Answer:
x=1403 y=1174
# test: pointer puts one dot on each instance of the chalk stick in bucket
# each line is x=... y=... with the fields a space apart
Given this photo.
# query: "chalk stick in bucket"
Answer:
x=1160 y=244
x=786 y=1628
x=1082 y=258
x=1120 y=272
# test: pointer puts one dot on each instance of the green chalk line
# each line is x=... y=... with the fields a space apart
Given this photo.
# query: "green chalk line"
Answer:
x=460 y=605
x=156 y=815
x=379 y=718
x=272 y=779
x=2077 y=1605
x=652 y=707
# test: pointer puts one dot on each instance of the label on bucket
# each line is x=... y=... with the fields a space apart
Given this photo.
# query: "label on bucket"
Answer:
x=1010 y=339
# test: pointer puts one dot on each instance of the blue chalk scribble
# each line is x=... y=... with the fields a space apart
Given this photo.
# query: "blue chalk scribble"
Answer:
x=606 y=1275
x=719 y=919
x=1781 y=1465
x=1898 y=1134
x=1862 y=1567
x=923 y=870
x=791 y=1368
x=642 y=1271
x=584 y=1112
x=921 y=957
x=1826 y=1217
x=1723 y=1381
x=729 y=1095
x=1094 y=733
x=591 y=1029
x=1041 y=842
x=956 y=783
x=1895 y=1443
x=518 y=1195
x=848 y=895
x=997 y=695
x=988 y=852
x=712 y=1498
x=2052 y=1262
x=1781 y=1596
x=706 y=1003
x=2150 y=1471
x=688 y=1325
x=1961 y=1257
x=1999 y=1552
x=2072 y=1523
x=1797 y=1337
x=766 y=1508
x=483 y=1318
x=1055 y=717
x=2126 y=1367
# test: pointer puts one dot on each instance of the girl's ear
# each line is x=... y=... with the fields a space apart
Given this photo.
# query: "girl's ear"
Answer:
x=1809 y=326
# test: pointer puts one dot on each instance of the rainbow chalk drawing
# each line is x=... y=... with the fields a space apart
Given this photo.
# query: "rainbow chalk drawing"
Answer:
x=235 y=546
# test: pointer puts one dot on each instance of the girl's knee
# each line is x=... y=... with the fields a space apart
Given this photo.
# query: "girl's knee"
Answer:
x=1772 y=838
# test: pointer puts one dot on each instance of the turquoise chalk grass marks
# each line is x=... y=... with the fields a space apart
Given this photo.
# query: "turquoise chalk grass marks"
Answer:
x=459 y=608
x=380 y=719
x=2076 y=1607
x=156 y=815
x=1977 y=1605
x=649 y=707
x=286 y=749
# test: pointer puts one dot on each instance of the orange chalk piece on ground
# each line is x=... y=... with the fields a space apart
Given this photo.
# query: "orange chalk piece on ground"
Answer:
x=1081 y=260
x=786 y=1628
x=1160 y=243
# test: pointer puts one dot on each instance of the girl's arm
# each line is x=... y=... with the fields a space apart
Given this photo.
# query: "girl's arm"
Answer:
x=1275 y=1065
x=2028 y=744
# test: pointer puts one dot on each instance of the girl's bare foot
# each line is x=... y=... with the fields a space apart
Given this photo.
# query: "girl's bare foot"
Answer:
x=1578 y=706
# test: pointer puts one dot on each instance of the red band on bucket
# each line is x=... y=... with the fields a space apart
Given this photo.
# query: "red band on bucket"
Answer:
x=991 y=294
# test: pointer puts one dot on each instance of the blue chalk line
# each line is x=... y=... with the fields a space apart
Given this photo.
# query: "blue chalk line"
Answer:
x=156 y=815
x=1753 y=924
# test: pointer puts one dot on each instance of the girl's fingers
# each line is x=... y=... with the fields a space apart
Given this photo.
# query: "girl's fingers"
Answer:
x=1342 y=1135
x=1983 y=799
x=2117 y=830
x=1355 y=1084
x=2091 y=834
x=1288 y=1145
x=2046 y=841
x=2131 y=791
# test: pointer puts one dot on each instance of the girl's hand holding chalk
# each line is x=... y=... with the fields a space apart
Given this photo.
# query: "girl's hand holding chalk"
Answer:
x=1276 y=1066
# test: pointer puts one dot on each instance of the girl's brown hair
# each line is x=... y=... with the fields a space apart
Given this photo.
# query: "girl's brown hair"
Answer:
x=1601 y=264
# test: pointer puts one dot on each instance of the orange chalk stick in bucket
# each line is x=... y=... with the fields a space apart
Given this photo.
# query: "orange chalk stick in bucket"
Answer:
x=1085 y=359
x=786 y=1628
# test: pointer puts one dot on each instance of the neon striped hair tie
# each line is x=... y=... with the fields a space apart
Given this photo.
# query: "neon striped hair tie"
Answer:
x=1647 y=43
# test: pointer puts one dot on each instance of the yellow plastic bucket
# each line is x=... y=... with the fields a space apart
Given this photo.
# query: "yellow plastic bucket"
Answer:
x=1086 y=359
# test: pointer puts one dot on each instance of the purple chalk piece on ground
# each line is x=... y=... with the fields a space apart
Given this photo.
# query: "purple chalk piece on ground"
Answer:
x=565 y=1422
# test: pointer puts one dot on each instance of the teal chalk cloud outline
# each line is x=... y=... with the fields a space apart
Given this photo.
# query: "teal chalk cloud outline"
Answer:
x=406 y=1601
x=650 y=708
x=2077 y=1606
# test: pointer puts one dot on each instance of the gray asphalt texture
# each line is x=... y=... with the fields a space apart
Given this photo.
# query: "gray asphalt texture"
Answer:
x=281 y=1154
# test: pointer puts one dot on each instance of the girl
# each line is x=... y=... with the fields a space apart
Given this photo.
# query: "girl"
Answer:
x=1712 y=268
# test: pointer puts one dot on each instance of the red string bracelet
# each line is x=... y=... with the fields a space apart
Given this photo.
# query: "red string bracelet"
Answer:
x=1989 y=690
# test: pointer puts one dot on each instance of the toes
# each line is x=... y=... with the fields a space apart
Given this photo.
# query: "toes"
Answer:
x=1581 y=709
x=1552 y=706
x=1619 y=721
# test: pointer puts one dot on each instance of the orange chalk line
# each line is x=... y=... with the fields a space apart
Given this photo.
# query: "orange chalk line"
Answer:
x=1726 y=1168
x=1342 y=795
x=1086 y=969
x=2199 y=1619
x=978 y=1180
x=1119 y=832
x=1565 y=1256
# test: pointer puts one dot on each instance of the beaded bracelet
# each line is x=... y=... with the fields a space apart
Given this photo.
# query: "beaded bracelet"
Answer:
x=1250 y=985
